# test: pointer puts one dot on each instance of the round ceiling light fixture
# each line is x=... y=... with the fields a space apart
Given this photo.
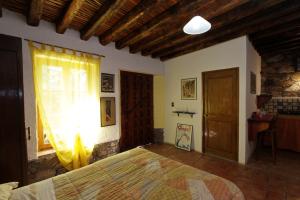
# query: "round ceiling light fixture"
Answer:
x=197 y=25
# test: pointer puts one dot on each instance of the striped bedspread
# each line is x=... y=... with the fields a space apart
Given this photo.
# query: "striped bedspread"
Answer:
x=135 y=174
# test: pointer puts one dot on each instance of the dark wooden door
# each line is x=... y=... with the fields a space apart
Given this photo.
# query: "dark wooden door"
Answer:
x=136 y=109
x=220 y=116
x=13 y=151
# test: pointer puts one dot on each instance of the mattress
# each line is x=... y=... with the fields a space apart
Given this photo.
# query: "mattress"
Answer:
x=134 y=174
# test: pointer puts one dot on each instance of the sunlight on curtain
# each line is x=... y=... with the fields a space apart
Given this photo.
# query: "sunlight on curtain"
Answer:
x=67 y=96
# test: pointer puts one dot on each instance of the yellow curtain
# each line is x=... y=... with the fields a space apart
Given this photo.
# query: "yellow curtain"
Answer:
x=67 y=95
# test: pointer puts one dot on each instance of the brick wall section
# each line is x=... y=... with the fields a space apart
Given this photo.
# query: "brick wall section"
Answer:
x=48 y=165
x=279 y=77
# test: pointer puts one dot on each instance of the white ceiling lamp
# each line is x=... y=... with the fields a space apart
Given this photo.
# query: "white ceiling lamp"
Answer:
x=196 y=25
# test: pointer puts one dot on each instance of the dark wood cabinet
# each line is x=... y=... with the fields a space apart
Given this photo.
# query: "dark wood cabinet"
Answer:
x=136 y=110
x=288 y=132
x=13 y=151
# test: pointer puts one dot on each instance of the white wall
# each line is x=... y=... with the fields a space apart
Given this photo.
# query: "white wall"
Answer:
x=225 y=55
x=253 y=65
x=15 y=25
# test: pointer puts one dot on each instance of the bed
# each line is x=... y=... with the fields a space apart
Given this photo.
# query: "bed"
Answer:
x=134 y=174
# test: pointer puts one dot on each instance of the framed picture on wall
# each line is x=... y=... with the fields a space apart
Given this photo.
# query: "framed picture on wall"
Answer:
x=107 y=82
x=184 y=136
x=108 y=111
x=252 y=83
x=189 y=89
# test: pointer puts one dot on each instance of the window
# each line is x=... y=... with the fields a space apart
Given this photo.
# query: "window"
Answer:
x=68 y=104
x=53 y=87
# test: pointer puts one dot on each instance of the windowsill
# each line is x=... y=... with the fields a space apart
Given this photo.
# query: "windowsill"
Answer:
x=45 y=152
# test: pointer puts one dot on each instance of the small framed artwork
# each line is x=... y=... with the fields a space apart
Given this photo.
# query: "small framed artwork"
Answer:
x=108 y=111
x=189 y=89
x=184 y=136
x=107 y=82
x=253 y=83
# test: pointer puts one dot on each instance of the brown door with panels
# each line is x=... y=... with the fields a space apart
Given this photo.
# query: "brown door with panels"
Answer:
x=13 y=152
x=136 y=109
x=220 y=112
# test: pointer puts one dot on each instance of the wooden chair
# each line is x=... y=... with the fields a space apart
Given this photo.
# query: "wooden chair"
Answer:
x=270 y=132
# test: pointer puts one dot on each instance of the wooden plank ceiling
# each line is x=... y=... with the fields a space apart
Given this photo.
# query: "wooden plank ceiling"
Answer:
x=154 y=27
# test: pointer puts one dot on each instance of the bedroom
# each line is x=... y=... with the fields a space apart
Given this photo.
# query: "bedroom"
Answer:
x=231 y=43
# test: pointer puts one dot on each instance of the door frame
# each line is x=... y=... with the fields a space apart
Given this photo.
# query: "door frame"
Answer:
x=14 y=44
x=237 y=114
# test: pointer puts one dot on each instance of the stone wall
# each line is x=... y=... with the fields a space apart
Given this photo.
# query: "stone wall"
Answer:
x=48 y=165
x=279 y=77
x=104 y=150
x=158 y=136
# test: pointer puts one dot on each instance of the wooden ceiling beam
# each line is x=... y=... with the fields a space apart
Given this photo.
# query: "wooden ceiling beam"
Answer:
x=166 y=43
x=71 y=12
x=289 y=33
x=282 y=44
x=250 y=24
x=234 y=15
x=274 y=41
x=198 y=46
x=35 y=12
x=291 y=51
x=281 y=28
x=193 y=48
x=211 y=43
x=144 y=8
x=207 y=9
x=166 y=16
x=126 y=21
x=293 y=48
x=243 y=27
x=146 y=46
x=106 y=11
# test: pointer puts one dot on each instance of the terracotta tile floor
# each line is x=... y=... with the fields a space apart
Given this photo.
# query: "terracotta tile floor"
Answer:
x=258 y=180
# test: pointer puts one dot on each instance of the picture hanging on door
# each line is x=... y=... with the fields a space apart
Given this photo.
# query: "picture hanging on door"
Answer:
x=189 y=89
x=184 y=136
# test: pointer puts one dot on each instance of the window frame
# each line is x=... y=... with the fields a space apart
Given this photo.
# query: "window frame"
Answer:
x=41 y=143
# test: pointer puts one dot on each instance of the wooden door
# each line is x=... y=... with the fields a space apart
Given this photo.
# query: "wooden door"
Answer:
x=13 y=151
x=220 y=112
x=136 y=109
